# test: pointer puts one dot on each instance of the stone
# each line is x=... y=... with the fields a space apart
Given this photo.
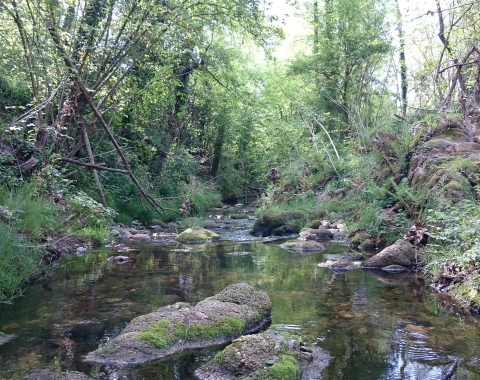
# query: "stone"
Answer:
x=400 y=253
x=279 y=223
x=264 y=356
x=196 y=235
x=315 y=234
x=81 y=251
x=141 y=237
x=239 y=309
x=46 y=374
x=303 y=246
x=4 y=338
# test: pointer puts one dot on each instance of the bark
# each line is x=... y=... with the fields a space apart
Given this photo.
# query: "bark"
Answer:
x=91 y=159
x=403 y=62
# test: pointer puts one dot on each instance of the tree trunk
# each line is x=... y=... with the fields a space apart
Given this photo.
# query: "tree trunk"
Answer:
x=403 y=63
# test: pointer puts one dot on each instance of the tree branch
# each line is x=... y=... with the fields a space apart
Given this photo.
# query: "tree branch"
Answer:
x=93 y=166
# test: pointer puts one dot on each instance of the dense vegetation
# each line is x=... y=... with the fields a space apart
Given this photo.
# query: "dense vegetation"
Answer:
x=141 y=109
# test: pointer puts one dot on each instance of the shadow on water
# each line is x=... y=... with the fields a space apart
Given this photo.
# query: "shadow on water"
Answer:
x=374 y=325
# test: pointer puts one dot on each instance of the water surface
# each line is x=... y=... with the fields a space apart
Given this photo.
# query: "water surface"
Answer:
x=374 y=325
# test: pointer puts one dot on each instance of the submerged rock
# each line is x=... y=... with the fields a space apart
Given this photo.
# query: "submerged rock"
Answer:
x=399 y=253
x=237 y=310
x=303 y=246
x=265 y=356
x=46 y=374
x=394 y=269
x=340 y=265
x=196 y=235
x=315 y=234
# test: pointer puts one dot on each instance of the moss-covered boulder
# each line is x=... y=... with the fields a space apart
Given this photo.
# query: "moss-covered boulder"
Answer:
x=315 y=234
x=279 y=223
x=237 y=310
x=401 y=253
x=297 y=245
x=265 y=356
x=196 y=235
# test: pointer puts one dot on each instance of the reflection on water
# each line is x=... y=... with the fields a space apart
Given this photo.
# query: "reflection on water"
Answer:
x=375 y=326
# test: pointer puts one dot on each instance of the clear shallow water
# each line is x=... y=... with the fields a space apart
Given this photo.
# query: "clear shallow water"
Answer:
x=374 y=325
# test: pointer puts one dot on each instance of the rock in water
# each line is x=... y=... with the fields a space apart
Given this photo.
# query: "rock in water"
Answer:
x=196 y=235
x=265 y=356
x=239 y=309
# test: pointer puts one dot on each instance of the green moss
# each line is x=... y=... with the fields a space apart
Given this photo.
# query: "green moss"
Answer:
x=285 y=369
x=467 y=292
x=226 y=326
x=164 y=333
x=159 y=335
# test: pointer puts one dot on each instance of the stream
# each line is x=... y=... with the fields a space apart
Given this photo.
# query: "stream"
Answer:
x=373 y=324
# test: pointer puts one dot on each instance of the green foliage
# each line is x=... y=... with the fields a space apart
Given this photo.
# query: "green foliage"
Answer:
x=456 y=244
x=93 y=217
x=19 y=261
x=286 y=368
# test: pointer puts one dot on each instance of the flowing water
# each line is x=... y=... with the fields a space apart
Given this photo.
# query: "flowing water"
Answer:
x=374 y=325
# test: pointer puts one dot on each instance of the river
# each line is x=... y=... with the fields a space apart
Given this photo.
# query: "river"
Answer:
x=374 y=325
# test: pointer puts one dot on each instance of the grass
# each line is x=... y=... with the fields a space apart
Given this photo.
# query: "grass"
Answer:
x=18 y=262
x=31 y=214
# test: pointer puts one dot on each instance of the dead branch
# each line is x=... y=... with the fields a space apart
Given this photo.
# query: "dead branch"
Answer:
x=456 y=77
x=94 y=166
x=68 y=62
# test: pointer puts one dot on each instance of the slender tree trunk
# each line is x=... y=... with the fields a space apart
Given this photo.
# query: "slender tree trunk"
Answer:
x=315 y=27
x=403 y=62
x=218 y=148
x=91 y=159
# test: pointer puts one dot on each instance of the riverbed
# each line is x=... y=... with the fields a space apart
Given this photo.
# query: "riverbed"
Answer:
x=374 y=325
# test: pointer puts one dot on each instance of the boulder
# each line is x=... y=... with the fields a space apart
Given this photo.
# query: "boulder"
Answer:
x=265 y=356
x=279 y=223
x=239 y=309
x=196 y=235
x=401 y=253
x=315 y=234
x=141 y=237
x=303 y=246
